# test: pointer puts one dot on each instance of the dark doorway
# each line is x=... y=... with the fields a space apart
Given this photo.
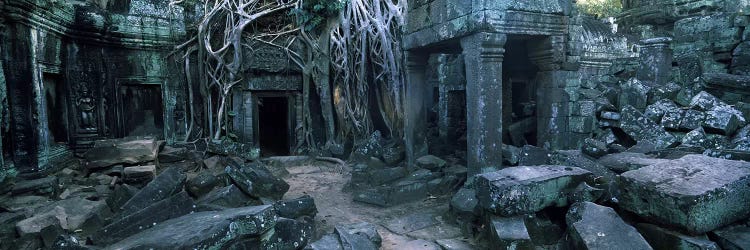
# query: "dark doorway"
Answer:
x=56 y=107
x=519 y=94
x=273 y=125
x=142 y=110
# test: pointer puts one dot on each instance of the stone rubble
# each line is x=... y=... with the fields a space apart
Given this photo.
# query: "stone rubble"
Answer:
x=132 y=200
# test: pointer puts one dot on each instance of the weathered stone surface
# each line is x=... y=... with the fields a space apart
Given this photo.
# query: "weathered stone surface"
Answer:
x=139 y=174
x=393 y=153
x=699 y=138
x=634 y=93
x=172 y=154
x=411 y=223
x=635 y=124
x=465 y=203
x=107 y=153
x=431 y=162
x=594 y=148
x=543 y=230
x=172 y=207
x=327 y=242
x=592 y=226
x=202 y=230
x=672 y=119
x=509 y=233
x=66 y=242
x=35 y=224
x=661 y=238
x=511 y=154
x=257 y=181
x=406 y=191
x=296 y=208
x=732 y=237
x=230 y=148
x=692 y=119
x=292 y=234
x=202 y=184
x=374 y=196
x=534 y=156
x=120 y=196
x=704 y=101
x=168 y=183
x=43 y=186
x=623 y=162
x=361 y=236
x=696 y=193
x=724 y=120
x=520 y=190
x=227 y=197
x=382 y=176
x=8 y=226
x=657 y=110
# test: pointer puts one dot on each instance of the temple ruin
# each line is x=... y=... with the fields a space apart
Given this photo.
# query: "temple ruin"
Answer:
x=374 y=124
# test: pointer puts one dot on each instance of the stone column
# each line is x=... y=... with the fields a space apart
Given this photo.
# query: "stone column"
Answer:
x=483 y=55
x=655 y=60
x=415 y=122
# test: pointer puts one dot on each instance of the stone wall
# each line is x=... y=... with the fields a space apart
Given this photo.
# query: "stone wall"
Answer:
x=92 y=52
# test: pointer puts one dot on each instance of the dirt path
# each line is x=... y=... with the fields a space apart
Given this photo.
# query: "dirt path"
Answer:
x=325 y=183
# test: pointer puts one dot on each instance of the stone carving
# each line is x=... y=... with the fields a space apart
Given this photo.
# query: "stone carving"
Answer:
x=86 y=108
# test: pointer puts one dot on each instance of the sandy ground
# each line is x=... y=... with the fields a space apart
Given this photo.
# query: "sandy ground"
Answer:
x=325 y=182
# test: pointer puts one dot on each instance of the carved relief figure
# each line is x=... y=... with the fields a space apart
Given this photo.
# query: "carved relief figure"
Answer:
x=86 y=107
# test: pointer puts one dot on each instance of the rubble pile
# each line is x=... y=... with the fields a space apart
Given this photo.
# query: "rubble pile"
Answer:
x=382 y=177
x=140 y=194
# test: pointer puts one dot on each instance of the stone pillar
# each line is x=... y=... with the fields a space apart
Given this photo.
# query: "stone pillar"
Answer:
x=655 y=60
x=415 y=120
x=483 y=55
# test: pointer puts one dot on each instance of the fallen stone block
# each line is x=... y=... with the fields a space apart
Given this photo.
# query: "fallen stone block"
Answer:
x=227 y=197
x=35 y=224
x=172 y=207
x=724 y=120
x=692 y=119
x=67 y=242
x=640 y=128
x=172 y=154
x=656 y=111
x=168 y=183
x=728 y=154
x=634 y=93
x=511 y=155
x=230 y=148
x=431 y=162
x=120 y=196
x=626 y=161
x=584 y=192
x=381 y=176
x=704 y=101
x=695 y=193
x=107 y=153
x=204 y=230
x=509 y=233
x=534 y=156
x=522 y=190
x=543 y=231
x=257 y=181
x=393 y=153
x=202 y=184
x=42 y=186
x=327 y=242
x=661 y=238
x=292 y=234
x=296 y=208
x=732 y=237
x=672 y=119
x=465 y=203
x=667 y=91
x=374 y=196
x=699 y=138
x=7 y=179
x=592 y=226
x=594 y=148
x=8 y=226
x=361 y=236
x=139 y=174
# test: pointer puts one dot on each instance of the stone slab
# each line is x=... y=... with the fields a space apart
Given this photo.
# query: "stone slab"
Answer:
x=521 y=190
x=696 y=193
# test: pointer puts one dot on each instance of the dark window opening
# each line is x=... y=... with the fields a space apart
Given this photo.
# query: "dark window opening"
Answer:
x=273 y=123
x=142 y=110
x=57 y=118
